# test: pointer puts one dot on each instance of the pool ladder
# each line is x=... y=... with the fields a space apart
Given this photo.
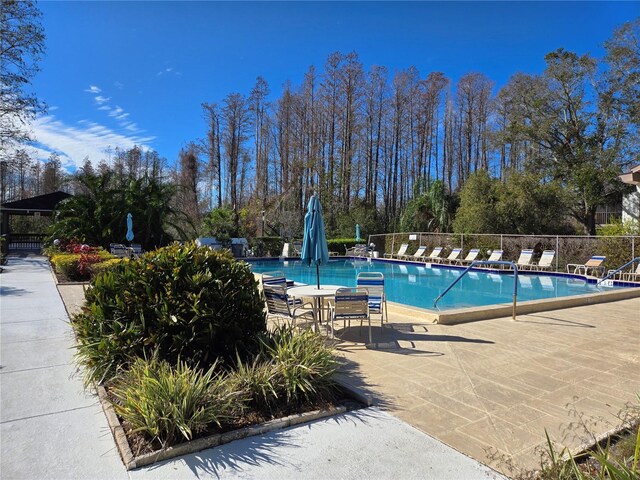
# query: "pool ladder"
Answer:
x=637 y=259
x=486 y=262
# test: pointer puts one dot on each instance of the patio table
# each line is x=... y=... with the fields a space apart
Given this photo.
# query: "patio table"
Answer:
x=316 y=294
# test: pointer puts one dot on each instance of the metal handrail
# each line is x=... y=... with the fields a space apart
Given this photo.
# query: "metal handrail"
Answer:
x=637 y=259
x=486 y=262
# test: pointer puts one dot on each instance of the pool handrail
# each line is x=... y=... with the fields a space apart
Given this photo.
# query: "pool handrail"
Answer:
x=611 y=274
x=486 y=262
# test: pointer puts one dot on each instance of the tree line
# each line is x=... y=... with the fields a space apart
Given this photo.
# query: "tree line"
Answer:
x=372 y=144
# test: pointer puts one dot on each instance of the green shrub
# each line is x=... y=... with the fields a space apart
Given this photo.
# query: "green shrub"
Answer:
x=259 y=381
x=183 y=302
x=3 y=245
x=304 y=364
x=615 y=243
x=98 y=268
x=79 y=266
x=166 y=403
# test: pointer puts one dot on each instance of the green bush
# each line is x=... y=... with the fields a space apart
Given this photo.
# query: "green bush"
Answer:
x=304 y=364
x=79 y=266
x=166 y=403
x=293 y=367
x=183 y=302
x=615 y=243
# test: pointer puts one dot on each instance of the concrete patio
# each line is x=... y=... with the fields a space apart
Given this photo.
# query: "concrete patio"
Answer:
x=491 y=388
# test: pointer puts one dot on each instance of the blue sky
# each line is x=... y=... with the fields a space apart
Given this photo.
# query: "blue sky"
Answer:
x=125 y=73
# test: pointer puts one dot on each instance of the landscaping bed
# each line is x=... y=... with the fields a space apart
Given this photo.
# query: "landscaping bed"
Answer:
x=177 y=343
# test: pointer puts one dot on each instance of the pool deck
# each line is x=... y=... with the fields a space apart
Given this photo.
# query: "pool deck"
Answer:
x=491 y=388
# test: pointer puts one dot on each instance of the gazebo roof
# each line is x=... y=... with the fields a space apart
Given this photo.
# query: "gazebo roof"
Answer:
x=42 y=203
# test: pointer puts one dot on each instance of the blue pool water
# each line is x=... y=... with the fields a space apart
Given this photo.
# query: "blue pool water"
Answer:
x=419 y=285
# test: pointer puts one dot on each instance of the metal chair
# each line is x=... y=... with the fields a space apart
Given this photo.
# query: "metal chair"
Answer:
x=350 y=304
x=277 y=277
x=374 y=283
x=279 y=305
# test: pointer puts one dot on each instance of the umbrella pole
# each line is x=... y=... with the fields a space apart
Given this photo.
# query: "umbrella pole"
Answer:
x=318 y=275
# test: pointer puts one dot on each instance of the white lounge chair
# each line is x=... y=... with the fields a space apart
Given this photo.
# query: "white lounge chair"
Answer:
x=472 y=256
x=434 y=256
x=415 y=256
x=401 y=251
x=524 y=260
x=453 y=256
x=546 y=260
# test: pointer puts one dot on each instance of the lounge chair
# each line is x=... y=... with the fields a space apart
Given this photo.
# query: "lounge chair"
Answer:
x=297 y=249
x=401 y=251
x=594 y=264
x=633 y=276
x=415 y=256
x=279 y=305
x=435 y=255
x=350 y=304
x=453 y=256
x=359 y=250
x=374 y=283
x=524 y=260
x=472 y=256
x=630 y=276
x=546 y=260
x=495 y=256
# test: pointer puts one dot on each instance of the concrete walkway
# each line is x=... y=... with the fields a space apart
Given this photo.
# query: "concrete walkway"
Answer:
x=51 y=428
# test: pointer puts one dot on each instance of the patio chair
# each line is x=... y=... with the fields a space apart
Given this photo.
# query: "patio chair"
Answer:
x=277 y=278
x=119 y=250
x=594 y=264
x=279 y=305
x=415 y=256
x=524 y=260
x=297 y=249
x=401 y=251
x=435 y=255
x=453 y=256
x=546 y=260
x=136 y=249
x=472 y=256
x=374 y=283
x=350 y=304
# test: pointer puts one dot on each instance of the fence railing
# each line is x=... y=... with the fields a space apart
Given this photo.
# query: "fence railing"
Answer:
x=569 y=249
x=25 y=241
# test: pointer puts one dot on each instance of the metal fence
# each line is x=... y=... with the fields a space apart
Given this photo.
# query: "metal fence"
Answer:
x=25 y=241
x=569 y=249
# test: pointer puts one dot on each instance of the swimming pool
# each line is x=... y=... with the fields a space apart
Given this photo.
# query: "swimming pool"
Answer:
x=418 y=285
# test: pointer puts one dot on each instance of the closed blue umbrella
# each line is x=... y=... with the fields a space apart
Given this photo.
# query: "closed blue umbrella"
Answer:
x=314 y=243
x=129 y=227
x=358 y=232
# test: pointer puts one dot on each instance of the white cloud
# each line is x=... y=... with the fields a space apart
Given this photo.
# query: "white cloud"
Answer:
x=117 y=110
x=93 y=89
x=86 y=138
x=104 y=107
x=118 y=85
x=100 y=99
